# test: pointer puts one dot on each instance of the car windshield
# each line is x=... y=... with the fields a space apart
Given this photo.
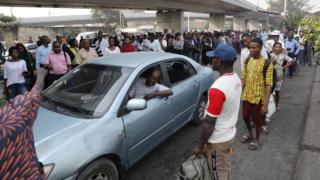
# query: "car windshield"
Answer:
x=88 y=90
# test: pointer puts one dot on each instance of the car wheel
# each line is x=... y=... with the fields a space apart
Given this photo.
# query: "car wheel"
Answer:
x=100 y=169
x=198 y=116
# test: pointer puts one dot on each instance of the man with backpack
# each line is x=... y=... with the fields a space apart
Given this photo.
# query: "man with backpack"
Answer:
x=257 y=81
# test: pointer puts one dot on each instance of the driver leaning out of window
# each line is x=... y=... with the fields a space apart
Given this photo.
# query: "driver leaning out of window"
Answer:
x=148 y=88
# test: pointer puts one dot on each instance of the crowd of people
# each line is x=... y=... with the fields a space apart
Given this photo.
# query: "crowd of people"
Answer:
x=265 y=59
x=263 y=65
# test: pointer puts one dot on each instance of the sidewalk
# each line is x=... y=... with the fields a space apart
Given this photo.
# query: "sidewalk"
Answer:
x=277 y=158
x=308 y=163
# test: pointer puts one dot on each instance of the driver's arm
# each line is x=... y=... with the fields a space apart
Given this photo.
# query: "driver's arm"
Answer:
x=160 y=91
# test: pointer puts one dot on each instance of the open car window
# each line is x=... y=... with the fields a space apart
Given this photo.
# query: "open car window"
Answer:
x=89 y=90
x=179 y=70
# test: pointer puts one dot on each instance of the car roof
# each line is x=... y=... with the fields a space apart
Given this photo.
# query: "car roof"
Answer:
x=134 y=59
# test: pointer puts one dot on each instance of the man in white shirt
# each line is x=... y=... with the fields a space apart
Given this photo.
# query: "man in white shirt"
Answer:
x=245 y=53
x=274 y=37
x=221 y=116
x=155 y=44
x=101 y=44
x=148 y=88
x=141 y=44
x=301 y=49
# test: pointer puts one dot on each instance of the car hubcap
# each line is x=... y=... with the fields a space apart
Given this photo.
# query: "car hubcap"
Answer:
x=100 y=176
x=202 y=109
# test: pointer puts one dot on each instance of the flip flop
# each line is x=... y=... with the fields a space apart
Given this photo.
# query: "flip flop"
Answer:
x=246 y=139
x=253 y=146
x=265 y=130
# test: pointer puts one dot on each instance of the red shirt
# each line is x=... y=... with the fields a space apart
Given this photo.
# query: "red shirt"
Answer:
x=18 y=158
x=128 y=48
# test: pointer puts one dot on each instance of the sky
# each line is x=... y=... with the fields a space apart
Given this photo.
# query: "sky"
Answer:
x=22 y=12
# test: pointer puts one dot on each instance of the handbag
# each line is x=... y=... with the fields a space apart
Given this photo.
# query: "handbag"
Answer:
x=194 y=168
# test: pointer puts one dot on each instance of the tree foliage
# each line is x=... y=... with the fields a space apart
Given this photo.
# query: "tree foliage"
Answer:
x=7 y=19
x=296 y=10
x=9 y=23
x=292 y=20
x=292 y=5
x=110 y=18
x=311 y=26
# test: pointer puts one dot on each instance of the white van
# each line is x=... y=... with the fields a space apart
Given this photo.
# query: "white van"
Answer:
x=87 y=35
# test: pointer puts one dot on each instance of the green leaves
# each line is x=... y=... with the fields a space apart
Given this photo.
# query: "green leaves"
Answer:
x=311 y=27
x=7 y=19
x=292 y=19
x=109 y=17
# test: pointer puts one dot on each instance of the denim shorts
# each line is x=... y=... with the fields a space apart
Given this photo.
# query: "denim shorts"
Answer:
x=16 y=89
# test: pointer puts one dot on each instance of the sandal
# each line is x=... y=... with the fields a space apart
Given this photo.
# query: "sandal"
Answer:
x=268 y=121
x=246 y=139
x=254 y=146
x=265 y=130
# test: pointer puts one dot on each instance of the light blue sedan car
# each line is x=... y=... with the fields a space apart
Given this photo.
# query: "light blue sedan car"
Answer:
x=88 y=128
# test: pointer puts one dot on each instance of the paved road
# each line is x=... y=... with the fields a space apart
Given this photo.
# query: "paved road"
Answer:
x=276 y=159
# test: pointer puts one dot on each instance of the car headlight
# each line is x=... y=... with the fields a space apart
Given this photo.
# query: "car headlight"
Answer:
x=48 y=168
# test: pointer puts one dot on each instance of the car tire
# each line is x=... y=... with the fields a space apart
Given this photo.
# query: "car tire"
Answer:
x=198 y=115
x=99 y=169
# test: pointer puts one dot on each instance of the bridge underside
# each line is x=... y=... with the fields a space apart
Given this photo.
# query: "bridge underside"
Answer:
x=208 y=6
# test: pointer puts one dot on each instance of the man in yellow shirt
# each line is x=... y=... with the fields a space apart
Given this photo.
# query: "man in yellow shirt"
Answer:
x=256 y=92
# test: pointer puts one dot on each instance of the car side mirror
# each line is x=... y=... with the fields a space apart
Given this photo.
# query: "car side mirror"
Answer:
x=136 y=105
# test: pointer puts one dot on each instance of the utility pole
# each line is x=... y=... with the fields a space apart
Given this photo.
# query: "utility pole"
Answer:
x=11 y=11
x=120 y=19
x=285 y=8
x=188 y=14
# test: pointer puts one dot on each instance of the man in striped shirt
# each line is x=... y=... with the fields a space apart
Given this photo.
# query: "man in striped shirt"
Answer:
x=256 y=92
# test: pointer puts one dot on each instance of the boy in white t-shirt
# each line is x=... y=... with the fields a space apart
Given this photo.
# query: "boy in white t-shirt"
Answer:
x=219 y=128
x=14 y=81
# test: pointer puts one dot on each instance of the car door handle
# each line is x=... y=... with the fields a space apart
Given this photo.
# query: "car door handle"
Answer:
x=196 y=83
x=167 y=100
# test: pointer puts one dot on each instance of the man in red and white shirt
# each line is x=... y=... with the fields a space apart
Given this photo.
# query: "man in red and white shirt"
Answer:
x=219 y=128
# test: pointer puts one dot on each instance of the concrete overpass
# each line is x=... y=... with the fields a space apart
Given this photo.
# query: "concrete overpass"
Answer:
x=170 y=12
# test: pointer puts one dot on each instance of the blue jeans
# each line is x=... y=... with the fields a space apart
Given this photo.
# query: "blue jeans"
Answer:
x=16 y=89
x=301 y=57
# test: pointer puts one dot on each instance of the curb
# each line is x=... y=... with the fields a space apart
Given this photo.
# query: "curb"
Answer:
x=308 y=161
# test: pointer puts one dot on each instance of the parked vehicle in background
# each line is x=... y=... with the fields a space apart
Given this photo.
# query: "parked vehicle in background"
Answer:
x=88 y=127
x=87 y=35
x=32 y=48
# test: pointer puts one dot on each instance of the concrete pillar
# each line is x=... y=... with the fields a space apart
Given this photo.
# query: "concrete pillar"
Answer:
x=239 y=23
x=171 y=20
x=252 y=24
x=216 y=22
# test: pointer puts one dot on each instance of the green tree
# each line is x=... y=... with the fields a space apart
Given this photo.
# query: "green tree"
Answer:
x=311 y=26
x=292 y=19
x=295 y=11
x=9 y=23
x=110 y=18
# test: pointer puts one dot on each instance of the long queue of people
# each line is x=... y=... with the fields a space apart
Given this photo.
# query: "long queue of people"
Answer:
x=287 y=54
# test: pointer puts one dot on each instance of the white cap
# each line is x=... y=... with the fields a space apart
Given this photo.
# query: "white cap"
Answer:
x=275 y=33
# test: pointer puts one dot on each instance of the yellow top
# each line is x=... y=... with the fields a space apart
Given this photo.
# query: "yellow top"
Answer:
x=255 y=86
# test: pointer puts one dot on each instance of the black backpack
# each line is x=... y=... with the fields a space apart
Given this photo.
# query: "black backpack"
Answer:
x=274 y=77
x=264 y=72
